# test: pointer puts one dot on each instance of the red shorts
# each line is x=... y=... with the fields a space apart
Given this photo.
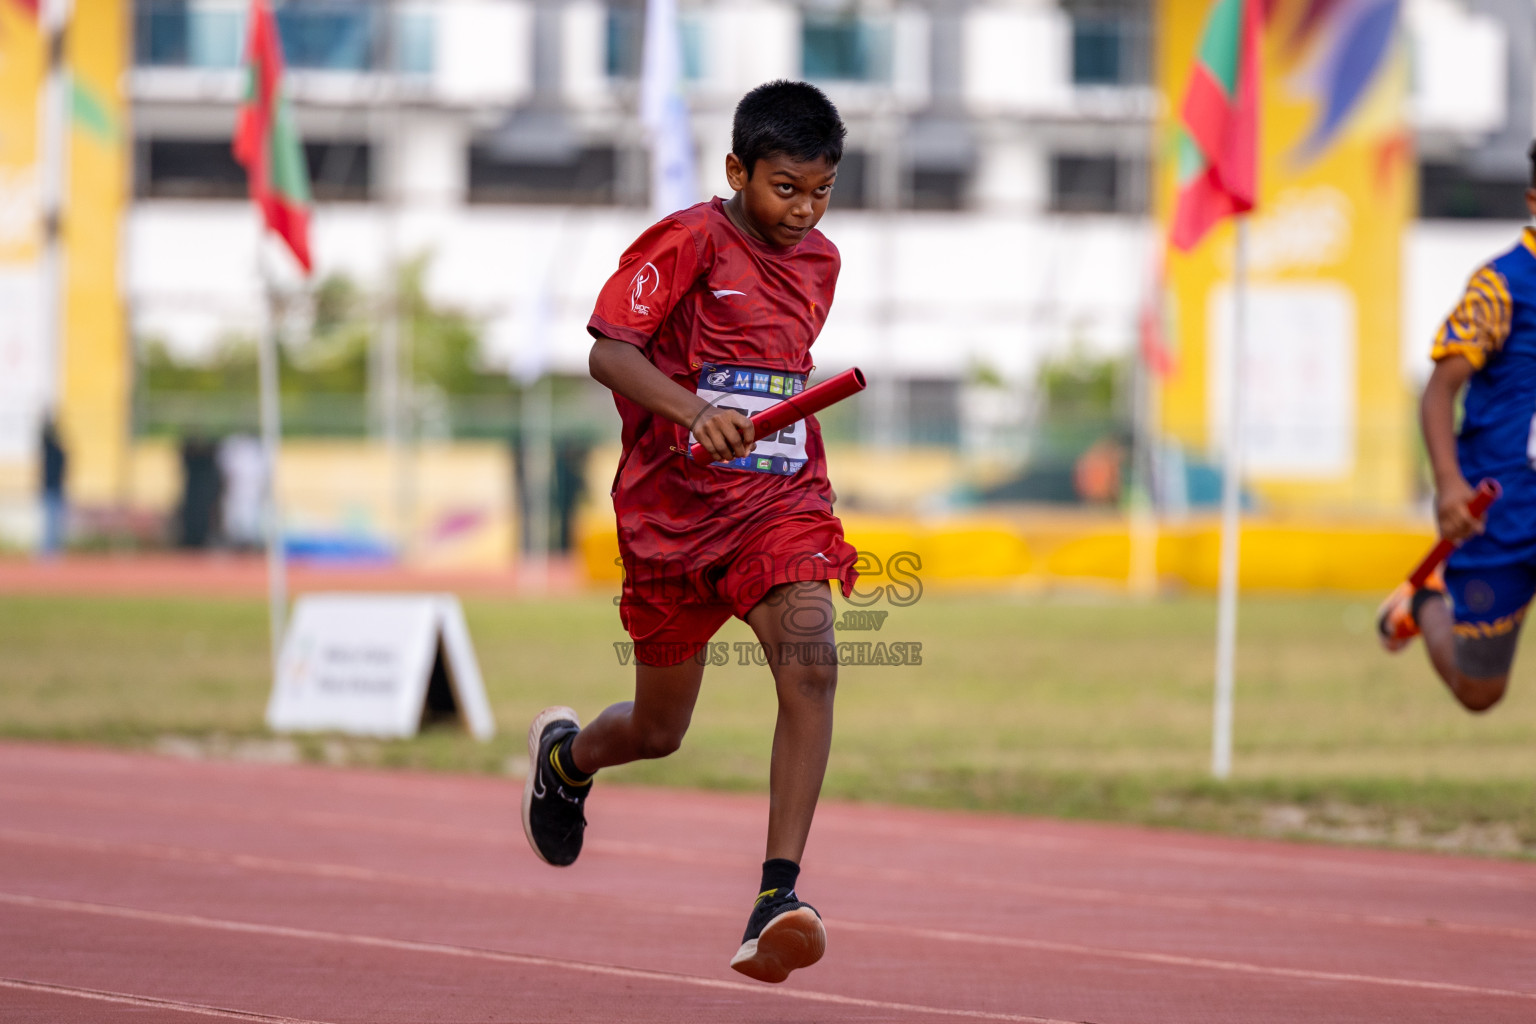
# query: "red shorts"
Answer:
x=672 y=610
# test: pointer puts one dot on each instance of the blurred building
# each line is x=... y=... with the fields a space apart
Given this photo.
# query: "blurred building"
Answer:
x=992 y=207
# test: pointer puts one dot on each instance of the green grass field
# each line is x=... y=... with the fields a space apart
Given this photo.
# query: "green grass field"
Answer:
x=1075 y=707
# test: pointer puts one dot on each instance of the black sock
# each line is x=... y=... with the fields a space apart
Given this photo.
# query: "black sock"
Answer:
x=1421 y=597
x=779 y=874
x=565 y=763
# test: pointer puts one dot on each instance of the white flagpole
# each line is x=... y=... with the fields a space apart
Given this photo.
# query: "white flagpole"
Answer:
x=271 y=435
x=1231 y=521
x=664 y=111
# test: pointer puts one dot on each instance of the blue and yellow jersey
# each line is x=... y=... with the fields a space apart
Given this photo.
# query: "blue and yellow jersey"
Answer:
x=1494 y=328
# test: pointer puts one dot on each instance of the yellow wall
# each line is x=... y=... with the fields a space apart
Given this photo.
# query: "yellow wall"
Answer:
x=1046 y=551
x=1336 y=220
x=94 y=414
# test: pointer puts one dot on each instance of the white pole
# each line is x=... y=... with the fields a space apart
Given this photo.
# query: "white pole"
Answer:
x=538 y=472
x=1141 y=567
x=1231 y=523
x=53 y=188
x=271 y=433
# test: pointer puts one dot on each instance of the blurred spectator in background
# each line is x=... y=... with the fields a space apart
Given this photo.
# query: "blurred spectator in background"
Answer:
x=567 y=486
x=55 y=466
x=243 y=468
x=1096 y=475
x=200 y=490
x=570 y=488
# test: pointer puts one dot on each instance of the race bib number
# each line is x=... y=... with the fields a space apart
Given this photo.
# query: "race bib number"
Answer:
x=749 y=390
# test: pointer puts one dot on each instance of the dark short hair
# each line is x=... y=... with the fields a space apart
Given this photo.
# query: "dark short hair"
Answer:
x=1531 y=155
x=792 y=118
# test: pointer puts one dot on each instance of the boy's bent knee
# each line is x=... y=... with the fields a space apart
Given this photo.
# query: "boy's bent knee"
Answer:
x=1479 y=694
x=659 y=741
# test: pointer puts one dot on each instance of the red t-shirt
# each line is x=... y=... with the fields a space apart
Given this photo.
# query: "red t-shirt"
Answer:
x=724 y=314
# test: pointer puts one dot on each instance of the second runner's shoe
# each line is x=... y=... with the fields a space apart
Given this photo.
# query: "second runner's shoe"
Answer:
x=782 y=935
x=1395 y=624
x=552 y=806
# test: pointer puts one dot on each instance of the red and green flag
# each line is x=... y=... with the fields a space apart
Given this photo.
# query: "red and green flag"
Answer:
x=266 y=142
x=1219 y=123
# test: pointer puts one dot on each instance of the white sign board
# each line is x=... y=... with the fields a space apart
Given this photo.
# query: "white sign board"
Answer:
x=376 y=665
x=1298 y=381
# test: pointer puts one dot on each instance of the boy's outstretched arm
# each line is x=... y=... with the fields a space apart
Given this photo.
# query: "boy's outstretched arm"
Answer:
x=1437 y=417
x=622 y=368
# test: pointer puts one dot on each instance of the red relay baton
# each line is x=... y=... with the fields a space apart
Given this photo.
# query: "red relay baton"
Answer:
x=797 y=407
x=1487 y=493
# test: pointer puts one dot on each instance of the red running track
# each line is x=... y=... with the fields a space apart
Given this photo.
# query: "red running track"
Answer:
x=145 y=888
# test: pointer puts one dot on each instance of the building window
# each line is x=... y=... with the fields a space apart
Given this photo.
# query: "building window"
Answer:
x=625 y=42
x=1098 y=183
x=851 y=191
x=692 y=28
x=1448 y=191
x=416 y=42
x=339 y=170
x=187 y=169
x=587 y=178
x=838 y=47
x=175 y=33
x=935 y=189
x=334 y=35
x=331 y=35
x=206 y=169
x=1111 y=43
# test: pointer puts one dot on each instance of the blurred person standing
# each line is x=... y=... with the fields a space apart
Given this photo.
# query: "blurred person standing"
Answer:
x=55 y=469
x=243 y=468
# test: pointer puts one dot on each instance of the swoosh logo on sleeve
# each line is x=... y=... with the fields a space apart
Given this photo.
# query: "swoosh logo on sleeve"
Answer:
x=722 y=293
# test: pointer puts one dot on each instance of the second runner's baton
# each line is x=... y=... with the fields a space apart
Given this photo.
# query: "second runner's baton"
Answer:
x=1487 y=493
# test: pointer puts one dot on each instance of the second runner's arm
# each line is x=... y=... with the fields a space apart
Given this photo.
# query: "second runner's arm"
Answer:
x=623 y=369
x=1437 y=417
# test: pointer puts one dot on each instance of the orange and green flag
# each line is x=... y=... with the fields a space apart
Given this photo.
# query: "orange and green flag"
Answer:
x=1219 y=123
x=266 y=142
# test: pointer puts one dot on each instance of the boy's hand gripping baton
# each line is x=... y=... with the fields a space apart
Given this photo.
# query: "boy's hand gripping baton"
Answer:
x=1488 y=491
x=797 y=407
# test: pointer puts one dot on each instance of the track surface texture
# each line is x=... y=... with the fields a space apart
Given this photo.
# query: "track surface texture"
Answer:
x=136 y=887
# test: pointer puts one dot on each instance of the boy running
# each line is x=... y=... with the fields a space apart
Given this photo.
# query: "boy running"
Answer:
x=711 y=316
x=1471 y=618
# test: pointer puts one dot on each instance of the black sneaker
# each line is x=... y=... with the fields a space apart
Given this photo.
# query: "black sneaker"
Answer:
x=783 y=935
x=552 y=818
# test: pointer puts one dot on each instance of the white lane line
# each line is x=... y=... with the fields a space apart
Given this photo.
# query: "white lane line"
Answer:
x=1178 y=960
x=898 y=876
x=1100 y=897
x=1301 y=863
x=944 y=935
x=150 y=1002
x=498 y=956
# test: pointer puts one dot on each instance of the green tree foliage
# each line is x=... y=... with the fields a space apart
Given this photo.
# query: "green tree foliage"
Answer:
x=1080 y=386
x=332 y=357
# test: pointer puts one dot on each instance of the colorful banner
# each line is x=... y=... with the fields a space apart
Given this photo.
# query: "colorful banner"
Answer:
x=1327 y=415
x=97 y=363
x=90 y=376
